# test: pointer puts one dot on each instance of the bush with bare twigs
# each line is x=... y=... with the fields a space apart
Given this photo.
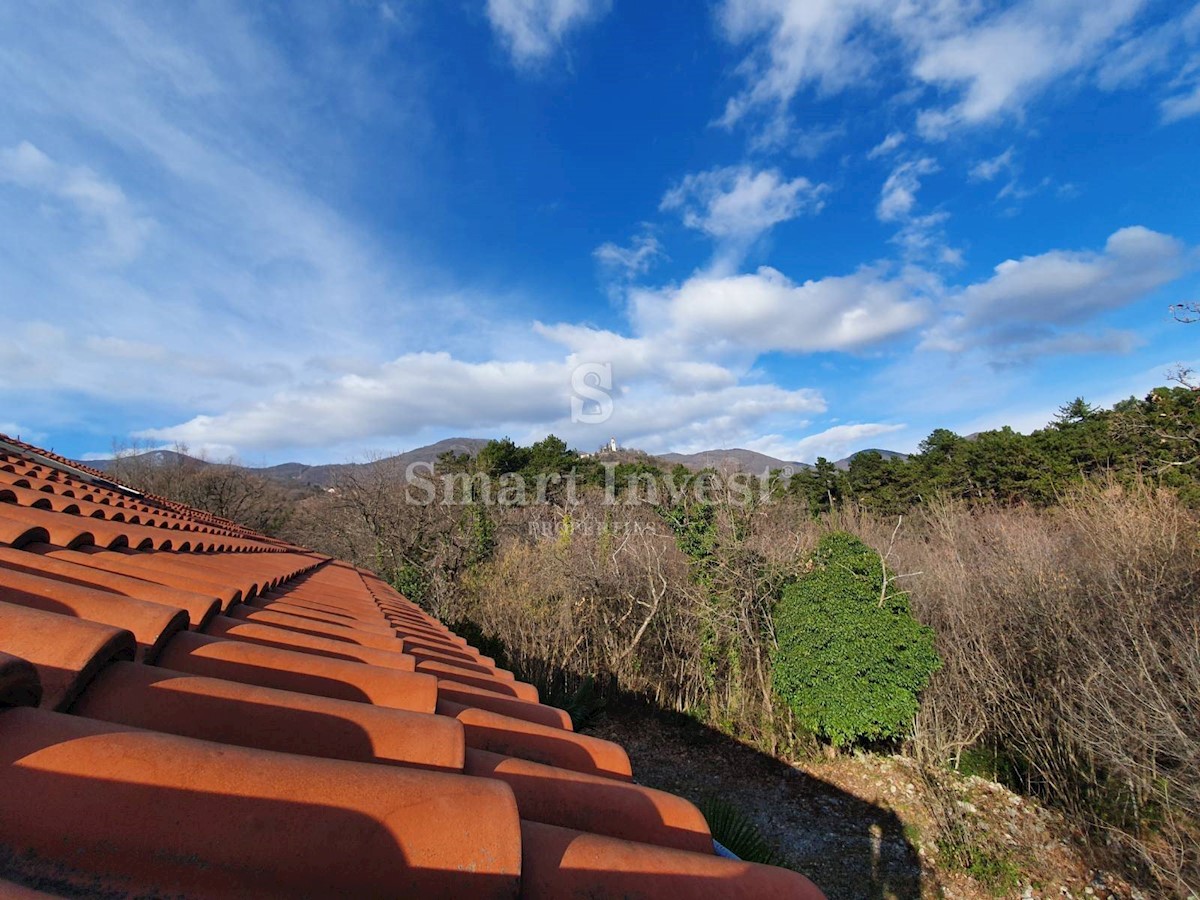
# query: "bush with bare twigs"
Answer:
x=1071 y=640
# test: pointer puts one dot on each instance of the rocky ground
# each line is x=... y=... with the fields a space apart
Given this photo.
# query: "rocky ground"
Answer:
x=868 y=826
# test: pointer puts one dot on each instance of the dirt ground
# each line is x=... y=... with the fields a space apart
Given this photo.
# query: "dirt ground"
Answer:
x=861 y=827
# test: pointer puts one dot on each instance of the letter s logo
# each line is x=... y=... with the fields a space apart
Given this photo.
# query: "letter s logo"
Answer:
x=591 y=382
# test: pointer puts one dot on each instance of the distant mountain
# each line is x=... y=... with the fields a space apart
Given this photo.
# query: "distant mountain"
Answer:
x=327 y=475
x=736 y=460
x=152 y=457
x=323 y=476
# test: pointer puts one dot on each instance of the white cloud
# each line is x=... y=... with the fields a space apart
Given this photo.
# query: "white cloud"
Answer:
x=834 y=443
x=993 y=60
x=782 y=135
x=1182 y=105
x=410 y=392
x=96 y=200
x=683 y=379
x=805 y=42
x=1021 y=308
x=887 y=145
x=195 y=127
x=988 y=169
x=899 y=193
x=921 y=238
x=433 y=390
x=1001 y=62
x=533 y=30
x=1064 y=286
x=767 y=311
x=1138 y=57
x=211 y=257
x=629 y=262
x=13 y=430
x=739 y=203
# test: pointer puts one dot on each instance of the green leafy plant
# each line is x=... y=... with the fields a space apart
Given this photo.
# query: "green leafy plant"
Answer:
x=412 y=582
x=734 y=831
x=851 y=659
x=583 y=704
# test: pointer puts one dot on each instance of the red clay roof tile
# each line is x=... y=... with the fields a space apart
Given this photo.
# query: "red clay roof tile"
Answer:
x=92 y=557
x=156 y=813
x=19 y=684
x=66 y=652
x=152 y=624
x=283 y=638
x=270 y=719
x=556 y=796
x=562 y=863
x=293 y=671
x=200 y=608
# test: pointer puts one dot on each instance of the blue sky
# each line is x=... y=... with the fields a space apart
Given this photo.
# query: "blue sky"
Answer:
x=315 y=231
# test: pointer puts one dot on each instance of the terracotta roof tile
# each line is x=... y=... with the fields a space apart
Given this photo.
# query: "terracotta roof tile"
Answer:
x=199 y=607
x=66 y=652
x=270 y=719
x=19 y=684
x=155 y=813
x=188 y=708
x=92 y=557
x=561 y=862
x=295 y=671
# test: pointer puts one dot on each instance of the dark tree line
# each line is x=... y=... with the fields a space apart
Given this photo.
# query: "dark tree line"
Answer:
x=1157 y=437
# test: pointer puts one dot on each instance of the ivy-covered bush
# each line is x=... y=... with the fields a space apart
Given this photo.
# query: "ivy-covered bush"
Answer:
x=851 y=659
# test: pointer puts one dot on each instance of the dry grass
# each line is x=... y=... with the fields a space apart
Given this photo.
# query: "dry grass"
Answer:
x=1072 y=646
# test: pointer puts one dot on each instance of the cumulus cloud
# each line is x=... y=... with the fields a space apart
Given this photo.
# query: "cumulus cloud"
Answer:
x=399 y=397
x=739 y=203
x=1026 y=301
x=533 y=30
x=683 y=378
x=766 y=311
x=1063 y=285
x=97 y=201
x=434 y=390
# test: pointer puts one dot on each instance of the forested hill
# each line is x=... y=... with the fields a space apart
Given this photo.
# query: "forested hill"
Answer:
x=1157 y=436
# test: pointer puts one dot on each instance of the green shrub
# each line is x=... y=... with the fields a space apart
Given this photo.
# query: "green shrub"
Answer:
x=851 y=660
x=412 y=582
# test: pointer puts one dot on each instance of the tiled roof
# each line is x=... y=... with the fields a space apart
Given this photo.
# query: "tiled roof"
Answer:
x=191 y=709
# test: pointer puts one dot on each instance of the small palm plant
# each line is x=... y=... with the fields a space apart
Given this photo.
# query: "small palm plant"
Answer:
x=734 y=830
